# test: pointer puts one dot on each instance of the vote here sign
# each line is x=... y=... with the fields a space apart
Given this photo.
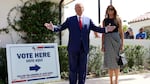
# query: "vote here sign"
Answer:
x=32 y=63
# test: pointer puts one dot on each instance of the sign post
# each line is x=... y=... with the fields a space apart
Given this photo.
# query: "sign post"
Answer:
x=32 y=63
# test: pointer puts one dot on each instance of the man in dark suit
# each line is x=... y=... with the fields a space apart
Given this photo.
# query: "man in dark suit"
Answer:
x=79 y=28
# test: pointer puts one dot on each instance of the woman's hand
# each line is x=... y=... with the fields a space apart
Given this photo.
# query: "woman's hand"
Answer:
x=121 y=47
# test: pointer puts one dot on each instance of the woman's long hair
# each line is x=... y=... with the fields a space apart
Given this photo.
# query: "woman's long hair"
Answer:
x=115 y=13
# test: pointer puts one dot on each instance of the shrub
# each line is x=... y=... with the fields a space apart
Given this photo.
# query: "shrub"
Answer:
x=134 y=55
x=95 y=60
x=3 y=66
x=63 y=59
x=34 y=13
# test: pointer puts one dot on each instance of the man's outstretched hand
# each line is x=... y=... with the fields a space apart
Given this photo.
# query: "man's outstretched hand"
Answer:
x=49 y=26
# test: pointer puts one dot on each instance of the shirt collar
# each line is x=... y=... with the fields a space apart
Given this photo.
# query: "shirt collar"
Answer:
x=79 y=16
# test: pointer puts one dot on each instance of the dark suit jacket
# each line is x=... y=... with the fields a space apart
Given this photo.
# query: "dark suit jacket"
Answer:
x=77 y=36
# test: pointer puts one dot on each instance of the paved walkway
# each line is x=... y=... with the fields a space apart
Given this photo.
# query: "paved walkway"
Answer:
x=143 y=78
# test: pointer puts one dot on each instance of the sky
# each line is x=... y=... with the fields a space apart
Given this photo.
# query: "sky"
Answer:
x=127 y=9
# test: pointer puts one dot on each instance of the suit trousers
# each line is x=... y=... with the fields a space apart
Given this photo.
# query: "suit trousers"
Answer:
x=77 y=66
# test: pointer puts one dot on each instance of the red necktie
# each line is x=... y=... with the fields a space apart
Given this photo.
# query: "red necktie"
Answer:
x=80 y=23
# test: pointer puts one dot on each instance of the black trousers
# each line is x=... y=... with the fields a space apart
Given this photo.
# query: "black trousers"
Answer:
x=77 y=66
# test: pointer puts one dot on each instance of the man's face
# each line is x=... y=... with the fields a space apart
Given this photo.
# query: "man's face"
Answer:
x=79 y=9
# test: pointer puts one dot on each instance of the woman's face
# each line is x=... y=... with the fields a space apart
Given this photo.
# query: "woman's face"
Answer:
x=110 y=11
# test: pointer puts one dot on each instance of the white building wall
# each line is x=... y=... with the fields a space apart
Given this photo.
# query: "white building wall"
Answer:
x=12 y=37
x=97 y=41
x=143 y=42
x=5 y=6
